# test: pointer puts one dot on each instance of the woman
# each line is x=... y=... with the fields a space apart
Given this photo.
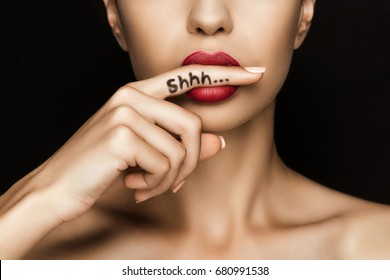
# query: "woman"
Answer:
x=199 y=122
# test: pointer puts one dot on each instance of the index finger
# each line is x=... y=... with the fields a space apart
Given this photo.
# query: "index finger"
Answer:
x=185 y=78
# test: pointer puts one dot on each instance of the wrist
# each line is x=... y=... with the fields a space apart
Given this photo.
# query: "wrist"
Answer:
x=44 y=207
x=25 y=224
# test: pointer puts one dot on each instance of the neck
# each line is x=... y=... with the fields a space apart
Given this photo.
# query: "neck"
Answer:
x=228 y=188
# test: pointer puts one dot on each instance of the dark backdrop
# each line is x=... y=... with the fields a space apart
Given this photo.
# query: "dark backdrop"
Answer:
x=59 y=63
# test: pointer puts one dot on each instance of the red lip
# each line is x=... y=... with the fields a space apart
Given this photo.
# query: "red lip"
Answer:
x=211 y=94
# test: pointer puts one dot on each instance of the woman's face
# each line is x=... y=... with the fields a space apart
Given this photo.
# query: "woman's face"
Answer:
x=160 y=34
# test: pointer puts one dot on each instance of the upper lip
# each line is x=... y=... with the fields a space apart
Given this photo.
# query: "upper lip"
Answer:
x=210 y=58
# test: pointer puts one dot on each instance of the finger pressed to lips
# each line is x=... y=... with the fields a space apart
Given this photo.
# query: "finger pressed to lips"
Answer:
x=157 y=86
x=185 y=78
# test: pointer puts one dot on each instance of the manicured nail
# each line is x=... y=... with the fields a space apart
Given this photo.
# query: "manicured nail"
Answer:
x=175 y=190
x=223 y=142
x=140 y=201
x=255 y=70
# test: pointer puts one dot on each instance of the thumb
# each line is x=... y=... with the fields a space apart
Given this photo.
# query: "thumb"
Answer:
x=211 y=145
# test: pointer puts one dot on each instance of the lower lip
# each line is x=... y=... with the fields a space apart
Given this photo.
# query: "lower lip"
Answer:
x=211 y=94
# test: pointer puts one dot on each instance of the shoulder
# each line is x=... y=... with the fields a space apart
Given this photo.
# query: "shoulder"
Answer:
x=357 y=228
x=366 y=233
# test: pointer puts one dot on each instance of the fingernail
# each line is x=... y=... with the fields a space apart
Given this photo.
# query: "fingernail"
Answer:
x=140 y=201
x=223 y=142
x=255 y=70
x=175 y=190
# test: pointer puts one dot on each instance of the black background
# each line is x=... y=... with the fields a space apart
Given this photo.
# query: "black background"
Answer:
x=59 y=63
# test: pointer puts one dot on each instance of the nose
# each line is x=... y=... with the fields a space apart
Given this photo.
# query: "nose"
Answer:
x=209 y=17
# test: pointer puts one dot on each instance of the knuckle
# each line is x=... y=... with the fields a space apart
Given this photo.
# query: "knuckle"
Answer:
x=119 y=135
x=196 y=122
x=122 y=143
x=122 y=113
x=176 y=154
x=164 y=166
x=121 y=95
x=180 y=153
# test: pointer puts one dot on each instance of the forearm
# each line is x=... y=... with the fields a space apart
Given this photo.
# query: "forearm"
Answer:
x=24 y=224
x=18 y=190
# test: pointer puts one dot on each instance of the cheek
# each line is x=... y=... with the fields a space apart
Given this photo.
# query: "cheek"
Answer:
x=277 y=45
x=269 y=32
x=150 y=35
x=270 y=40
x=143 y=49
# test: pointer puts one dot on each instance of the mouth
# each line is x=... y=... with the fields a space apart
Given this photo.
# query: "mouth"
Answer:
x=216 y=93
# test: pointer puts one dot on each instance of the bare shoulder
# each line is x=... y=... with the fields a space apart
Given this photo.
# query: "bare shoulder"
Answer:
x=367 y=232
x=361 y=227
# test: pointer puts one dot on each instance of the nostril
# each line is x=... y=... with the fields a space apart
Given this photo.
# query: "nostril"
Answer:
x=201 y=31
x=220 y=30
x=209 y=18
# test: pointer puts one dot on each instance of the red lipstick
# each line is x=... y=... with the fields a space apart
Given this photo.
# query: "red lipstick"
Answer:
x=216 y=93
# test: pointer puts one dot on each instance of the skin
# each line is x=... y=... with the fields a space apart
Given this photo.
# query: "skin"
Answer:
x=240 y=202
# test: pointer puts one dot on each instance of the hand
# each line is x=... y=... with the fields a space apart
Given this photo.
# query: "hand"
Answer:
x=156 y=143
